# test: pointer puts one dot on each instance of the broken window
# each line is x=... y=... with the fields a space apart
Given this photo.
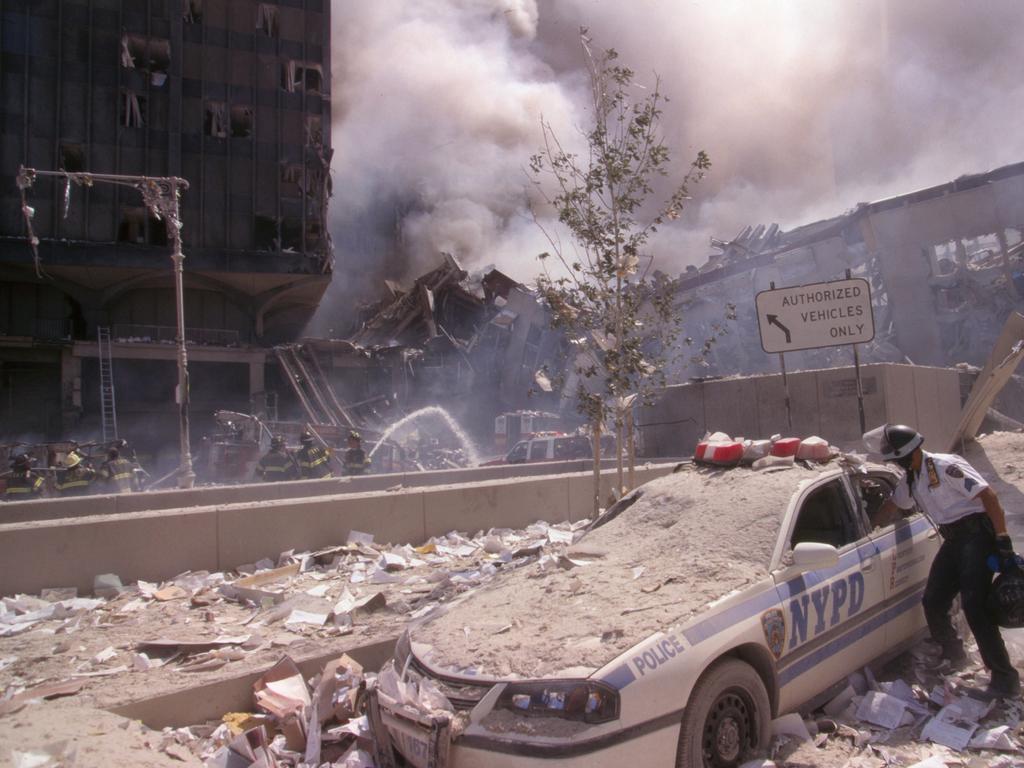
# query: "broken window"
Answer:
x=241 y=121
x=215 y=122
x=298 y=76
x=133 y=107
x=291 y=234
x=266 y=19
x=265 y=233
x=138 y=226
x=314 y=131
x=314 y=231
x=72 y=157
x=291 y=179
x=151 y=54
x=826 y=518
x=193 y=11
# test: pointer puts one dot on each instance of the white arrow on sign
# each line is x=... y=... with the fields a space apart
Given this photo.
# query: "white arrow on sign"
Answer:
x=814 y=316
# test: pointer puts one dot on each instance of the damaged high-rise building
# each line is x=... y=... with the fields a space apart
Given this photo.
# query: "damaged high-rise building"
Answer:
x=231 y=95
x=946 y=266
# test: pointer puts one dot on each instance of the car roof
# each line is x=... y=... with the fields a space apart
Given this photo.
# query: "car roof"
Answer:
x=691 y=538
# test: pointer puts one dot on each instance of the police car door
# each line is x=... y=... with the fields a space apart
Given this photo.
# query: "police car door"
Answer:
x=830 y=613
x=907 y=548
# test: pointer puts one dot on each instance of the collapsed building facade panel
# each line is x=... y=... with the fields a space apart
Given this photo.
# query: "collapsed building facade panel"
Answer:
x=231 y=95
x=471 y=344
x=946 y=266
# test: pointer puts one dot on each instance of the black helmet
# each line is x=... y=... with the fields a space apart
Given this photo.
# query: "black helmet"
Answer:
x=21 y=461
x=893 y=441
x=277 y=441
x=1006 y=598
x=306 y=437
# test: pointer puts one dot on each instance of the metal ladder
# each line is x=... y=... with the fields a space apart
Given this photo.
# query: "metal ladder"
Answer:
x=108 y=406
x=311 y=386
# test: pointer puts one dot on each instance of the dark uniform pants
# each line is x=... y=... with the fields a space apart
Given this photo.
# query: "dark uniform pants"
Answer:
x=960 y=567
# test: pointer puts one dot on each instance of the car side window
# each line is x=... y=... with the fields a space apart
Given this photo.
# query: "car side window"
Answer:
x=826 y=517
x=538 y=449
x=872 y=491
x=572 y=448
x=518 y=453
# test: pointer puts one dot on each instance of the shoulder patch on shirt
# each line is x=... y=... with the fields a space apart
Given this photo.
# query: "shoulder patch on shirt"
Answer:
x=954 y=471
x=933 y=474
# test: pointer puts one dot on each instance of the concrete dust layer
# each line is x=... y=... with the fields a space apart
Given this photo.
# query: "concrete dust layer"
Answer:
x=693 y=537
x=99 y=642
x=84 y=737
x=41 y=655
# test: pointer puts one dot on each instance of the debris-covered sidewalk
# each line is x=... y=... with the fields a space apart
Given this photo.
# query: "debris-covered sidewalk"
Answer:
x=918 y=712
x=135 y=641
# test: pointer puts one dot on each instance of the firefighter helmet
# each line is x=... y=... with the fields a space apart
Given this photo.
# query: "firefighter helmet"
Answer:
x=277 y=441
x=72 y=460
x=1006 y=598
x=21 y=461
x=306 y=437
x=353 y=435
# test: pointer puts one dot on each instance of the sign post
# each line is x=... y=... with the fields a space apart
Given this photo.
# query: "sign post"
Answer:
x=856 y=369
x=818 y=315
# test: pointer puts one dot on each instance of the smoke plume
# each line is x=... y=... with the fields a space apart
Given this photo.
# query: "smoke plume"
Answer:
x=805 y=107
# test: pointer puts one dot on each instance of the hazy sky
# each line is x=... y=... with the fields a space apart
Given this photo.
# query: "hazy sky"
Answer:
x=805 y=106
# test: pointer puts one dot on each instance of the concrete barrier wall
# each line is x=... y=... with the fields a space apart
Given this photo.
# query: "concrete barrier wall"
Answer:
x=109 y=504
x=157 y=545
x=823 y=403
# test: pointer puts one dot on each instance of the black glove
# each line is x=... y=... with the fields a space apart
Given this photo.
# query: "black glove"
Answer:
x=1004 y=547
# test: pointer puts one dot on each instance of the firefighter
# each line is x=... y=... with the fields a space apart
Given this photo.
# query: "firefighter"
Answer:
x=117 y=474
x=23 y=484
x=313 y=460
x=76 y=479
x=355 y=460
x=277 y=464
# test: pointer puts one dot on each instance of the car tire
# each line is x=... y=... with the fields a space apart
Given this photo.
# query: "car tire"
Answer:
x=727 y=719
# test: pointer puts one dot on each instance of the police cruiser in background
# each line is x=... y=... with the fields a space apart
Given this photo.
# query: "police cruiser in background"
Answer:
x=764 y=603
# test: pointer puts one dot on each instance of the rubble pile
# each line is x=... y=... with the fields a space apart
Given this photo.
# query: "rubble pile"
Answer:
x=922 y=715
x=200 y=622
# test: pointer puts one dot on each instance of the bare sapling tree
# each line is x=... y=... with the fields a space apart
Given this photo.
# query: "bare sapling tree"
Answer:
x=622 y=325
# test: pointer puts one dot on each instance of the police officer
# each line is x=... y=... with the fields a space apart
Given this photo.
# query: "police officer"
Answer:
x=23 y=484
x=76 y=479
x=973 y=527
x=117 y=473
x=313 y=460
x=277 y=464
x=355 y=458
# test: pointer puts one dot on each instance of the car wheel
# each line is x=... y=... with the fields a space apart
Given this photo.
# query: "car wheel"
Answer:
x=727 y=718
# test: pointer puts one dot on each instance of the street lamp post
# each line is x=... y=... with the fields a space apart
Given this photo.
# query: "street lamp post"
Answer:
x=162 y=196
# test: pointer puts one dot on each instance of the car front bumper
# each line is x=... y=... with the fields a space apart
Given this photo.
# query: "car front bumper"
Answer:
x=402 y=737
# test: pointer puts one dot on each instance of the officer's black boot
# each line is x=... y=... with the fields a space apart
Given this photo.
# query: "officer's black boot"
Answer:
x=953 y=652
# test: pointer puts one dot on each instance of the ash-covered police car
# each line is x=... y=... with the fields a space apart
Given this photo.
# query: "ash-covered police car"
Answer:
x=691 y=614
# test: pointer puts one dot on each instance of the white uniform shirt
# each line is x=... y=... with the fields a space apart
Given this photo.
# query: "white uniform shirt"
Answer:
x=946 y=488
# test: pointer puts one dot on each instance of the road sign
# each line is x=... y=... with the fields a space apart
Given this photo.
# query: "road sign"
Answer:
x=817 y=315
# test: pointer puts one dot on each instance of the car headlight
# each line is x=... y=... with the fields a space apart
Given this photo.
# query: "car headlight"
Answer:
x=581 y=700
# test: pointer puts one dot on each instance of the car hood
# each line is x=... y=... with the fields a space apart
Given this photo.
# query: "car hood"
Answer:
x=693 y=537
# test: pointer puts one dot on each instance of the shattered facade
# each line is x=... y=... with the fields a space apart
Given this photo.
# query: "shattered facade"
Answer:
x=233 y=98
x=946 y=266
x=470 y=344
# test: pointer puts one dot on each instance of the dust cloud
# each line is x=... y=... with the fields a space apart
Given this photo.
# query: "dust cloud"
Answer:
x=805 y=107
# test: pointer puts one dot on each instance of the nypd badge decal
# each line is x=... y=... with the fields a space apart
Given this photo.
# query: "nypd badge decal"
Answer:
x=773 y=623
